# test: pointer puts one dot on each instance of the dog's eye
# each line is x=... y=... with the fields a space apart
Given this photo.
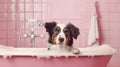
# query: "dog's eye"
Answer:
x=56 y=31
x=66 y=31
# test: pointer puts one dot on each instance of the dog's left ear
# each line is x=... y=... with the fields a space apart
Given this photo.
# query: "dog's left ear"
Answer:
x=74 y=30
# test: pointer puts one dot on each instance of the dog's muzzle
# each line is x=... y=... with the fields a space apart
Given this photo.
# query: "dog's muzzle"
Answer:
x=61 y=39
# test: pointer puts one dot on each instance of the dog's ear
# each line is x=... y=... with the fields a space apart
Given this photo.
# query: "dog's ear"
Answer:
x=74 y=30
x=49 y=26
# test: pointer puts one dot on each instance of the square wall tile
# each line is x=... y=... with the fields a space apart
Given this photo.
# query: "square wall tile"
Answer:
x=11 y=7
x=104 y=25
x=3 y=34
x=12 y=42
x=114 y=17
x=29 y=16
x=37 y=0
x=29 y=7
x=37 y=7
x=3 y=16
x=12 y=26
x=114 y=26
x=11 y=17
x=29 y=1
x=21 y=7
x=37 y=16
x=22 y=42
x=27 y=43
x=22 y=17
x=114 y=6
x=3 y=1
x=4 y=7
x=12 y=34
x=3 y=25
x=21 y=1
x=3 y=42
x=11 y=1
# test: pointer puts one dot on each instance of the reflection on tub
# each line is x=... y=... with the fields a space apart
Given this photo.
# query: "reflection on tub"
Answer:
x=88 y=57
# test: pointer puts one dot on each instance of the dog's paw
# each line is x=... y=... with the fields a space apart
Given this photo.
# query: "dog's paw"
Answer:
x=48 y=48
x=76 y=51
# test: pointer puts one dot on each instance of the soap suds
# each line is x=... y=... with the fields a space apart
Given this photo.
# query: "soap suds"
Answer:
x=104 y=49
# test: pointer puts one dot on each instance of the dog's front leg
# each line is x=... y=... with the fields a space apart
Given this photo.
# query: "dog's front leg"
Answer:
x=49 y=46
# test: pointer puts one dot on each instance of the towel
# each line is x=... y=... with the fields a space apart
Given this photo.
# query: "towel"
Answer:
x=93 y=38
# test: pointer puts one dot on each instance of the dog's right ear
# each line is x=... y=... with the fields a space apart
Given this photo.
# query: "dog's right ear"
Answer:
x=49 y=26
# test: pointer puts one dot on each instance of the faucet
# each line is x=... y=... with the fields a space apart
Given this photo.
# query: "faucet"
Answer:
x=32 y=35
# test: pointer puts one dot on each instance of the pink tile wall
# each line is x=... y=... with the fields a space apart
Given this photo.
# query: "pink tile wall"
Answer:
x=77 y=12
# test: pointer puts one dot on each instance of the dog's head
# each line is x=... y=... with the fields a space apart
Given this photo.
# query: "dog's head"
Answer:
x=61 y=34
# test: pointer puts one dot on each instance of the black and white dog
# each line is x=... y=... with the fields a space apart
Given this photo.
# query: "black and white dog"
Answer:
x=61 y=35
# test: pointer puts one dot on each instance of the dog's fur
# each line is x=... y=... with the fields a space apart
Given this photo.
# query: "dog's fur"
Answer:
x=61 y=34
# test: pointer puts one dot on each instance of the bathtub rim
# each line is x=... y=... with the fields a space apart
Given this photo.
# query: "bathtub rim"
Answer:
x=39 y=49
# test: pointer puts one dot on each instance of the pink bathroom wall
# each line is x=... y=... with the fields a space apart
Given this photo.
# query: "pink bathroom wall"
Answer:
x=78 y=12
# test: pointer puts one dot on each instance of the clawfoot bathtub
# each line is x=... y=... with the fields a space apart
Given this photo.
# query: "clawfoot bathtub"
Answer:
x=41 y=57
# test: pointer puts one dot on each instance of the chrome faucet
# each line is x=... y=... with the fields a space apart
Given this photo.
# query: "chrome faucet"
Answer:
x=32 y=35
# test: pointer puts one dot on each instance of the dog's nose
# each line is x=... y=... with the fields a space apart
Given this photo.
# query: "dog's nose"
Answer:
x=61 y=39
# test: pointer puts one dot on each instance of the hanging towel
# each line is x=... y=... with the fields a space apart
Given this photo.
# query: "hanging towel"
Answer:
x=93 y=38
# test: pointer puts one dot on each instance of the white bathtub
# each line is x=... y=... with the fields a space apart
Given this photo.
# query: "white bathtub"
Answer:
x=41 y=57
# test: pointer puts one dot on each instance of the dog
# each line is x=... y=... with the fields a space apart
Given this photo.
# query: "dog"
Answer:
x=61 y=35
